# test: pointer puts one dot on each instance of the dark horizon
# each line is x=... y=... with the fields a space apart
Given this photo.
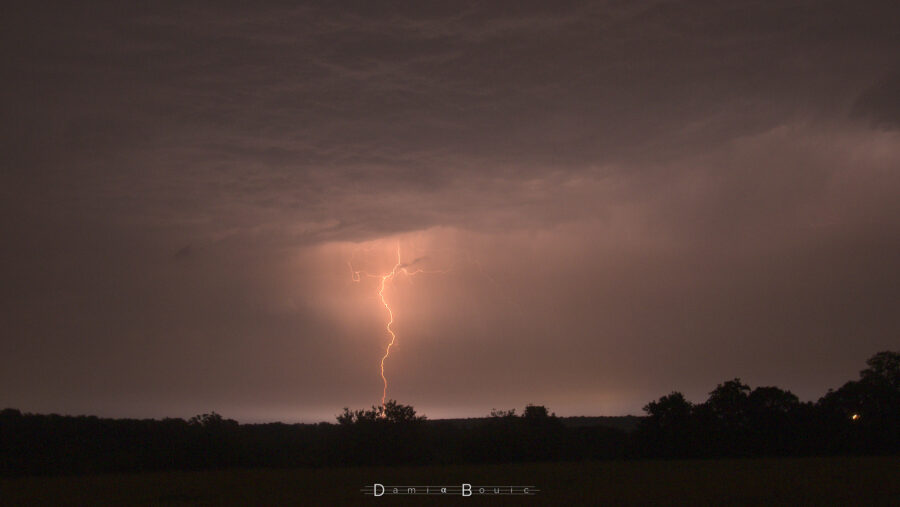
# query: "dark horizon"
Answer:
x=735 y=421
x=607 y=200
x=517 y=409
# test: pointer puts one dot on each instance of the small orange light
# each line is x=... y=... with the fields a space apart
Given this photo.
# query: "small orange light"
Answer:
x=854 y=417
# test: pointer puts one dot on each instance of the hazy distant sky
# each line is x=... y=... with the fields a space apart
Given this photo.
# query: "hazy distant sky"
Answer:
x=628 y=198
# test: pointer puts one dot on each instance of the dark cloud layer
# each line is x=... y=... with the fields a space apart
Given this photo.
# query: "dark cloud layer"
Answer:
x=630 y=197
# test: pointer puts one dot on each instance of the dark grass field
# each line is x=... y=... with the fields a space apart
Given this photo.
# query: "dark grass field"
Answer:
x=783 y=481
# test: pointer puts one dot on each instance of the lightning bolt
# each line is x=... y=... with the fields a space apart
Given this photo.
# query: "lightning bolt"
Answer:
x=390 y=331
x=399 y=268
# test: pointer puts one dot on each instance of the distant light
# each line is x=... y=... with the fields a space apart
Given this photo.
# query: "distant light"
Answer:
x=854 y=417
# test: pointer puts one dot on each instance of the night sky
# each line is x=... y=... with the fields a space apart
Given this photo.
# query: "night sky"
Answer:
x=625 y=199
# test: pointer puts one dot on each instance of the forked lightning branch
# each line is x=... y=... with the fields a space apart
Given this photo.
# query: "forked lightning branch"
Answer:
x=399 y=269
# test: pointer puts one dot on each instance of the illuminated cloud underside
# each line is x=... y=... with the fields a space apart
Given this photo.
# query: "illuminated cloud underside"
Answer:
x=627 y=199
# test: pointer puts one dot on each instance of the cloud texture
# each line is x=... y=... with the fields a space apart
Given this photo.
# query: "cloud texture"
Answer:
x=628 y=198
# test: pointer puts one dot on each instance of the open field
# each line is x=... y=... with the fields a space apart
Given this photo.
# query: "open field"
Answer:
x=801 y=481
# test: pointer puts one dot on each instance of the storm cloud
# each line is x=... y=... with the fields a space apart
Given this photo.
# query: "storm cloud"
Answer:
x=627 y=198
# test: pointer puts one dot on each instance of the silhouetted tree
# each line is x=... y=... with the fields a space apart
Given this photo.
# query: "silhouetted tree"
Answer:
x=883 y=368
x=670 y=410
x=503 y=413
x=537 y=413
x=773 y=418
x=729 y=401
x=392 y=412
x=212 y=421
x=358 y=416
x=863 y=414
x=399 y=413
x=772 y=400
x=667 y=430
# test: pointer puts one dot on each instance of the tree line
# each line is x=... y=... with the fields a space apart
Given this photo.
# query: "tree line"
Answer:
x=861 y=417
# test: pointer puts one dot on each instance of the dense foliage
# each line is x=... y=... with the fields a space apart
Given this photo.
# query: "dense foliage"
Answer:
x=861 y=417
